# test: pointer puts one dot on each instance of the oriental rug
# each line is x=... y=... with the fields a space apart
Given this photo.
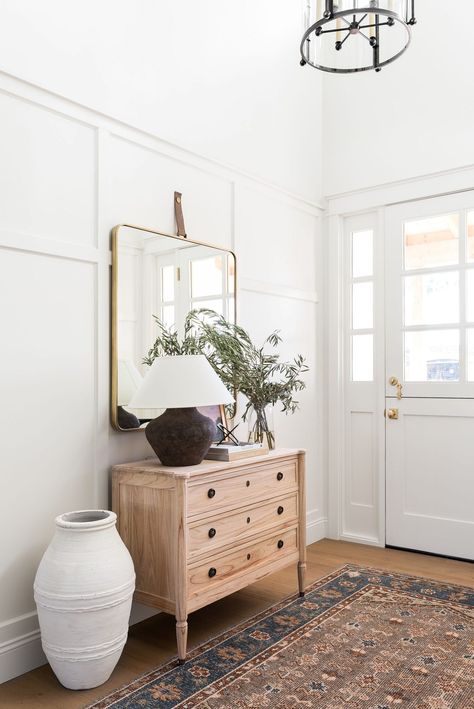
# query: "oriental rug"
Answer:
x=359 y=639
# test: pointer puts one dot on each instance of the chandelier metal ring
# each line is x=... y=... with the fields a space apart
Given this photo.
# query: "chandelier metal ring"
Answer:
x=350 y=13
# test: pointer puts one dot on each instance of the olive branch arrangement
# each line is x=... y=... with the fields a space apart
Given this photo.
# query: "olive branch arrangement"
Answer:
x=241 y=365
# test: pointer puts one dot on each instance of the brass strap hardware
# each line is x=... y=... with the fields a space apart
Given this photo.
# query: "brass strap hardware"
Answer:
x=393 y=381
x=178 y=213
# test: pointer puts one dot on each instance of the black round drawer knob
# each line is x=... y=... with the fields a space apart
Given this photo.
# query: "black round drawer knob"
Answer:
x=280 y=543
x=212 y=532
x=212 y=572
x=248 y=483
x=248 y=557
x=211 y=492
x=280 y=510
x=279 y=476
x=248 y=520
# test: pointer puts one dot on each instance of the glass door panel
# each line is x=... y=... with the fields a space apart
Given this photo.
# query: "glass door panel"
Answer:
x=470 y=236
x=432 y=355
x=432 y=242
x=430 y=297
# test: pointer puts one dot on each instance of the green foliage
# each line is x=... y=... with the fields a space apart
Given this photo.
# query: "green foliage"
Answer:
x=240 y=364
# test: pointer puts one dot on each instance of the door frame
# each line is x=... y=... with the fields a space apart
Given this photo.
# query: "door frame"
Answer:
x=340 y=206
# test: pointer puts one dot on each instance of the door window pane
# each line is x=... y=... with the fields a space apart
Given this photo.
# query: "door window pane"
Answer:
x=362 y=358
x=206 y=277
x=362 y=253
x=432 y=298
x=432 y=242
x=362 y=306
x=432 y=355
x=470 y=295
x=167 y=283
x=470 y=354
x=470 y=236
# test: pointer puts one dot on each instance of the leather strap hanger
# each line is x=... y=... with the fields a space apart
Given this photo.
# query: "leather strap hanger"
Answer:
x=178 y=213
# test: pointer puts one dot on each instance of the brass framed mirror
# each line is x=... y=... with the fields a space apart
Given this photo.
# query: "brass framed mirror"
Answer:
x=161 y=275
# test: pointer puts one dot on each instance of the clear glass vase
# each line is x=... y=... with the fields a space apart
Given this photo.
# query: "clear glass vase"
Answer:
x=261 y=428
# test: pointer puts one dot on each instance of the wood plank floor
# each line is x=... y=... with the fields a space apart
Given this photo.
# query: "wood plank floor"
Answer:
x=152 y=642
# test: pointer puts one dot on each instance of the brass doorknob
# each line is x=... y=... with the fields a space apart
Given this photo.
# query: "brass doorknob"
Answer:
x=392 y=413
x=394 y=382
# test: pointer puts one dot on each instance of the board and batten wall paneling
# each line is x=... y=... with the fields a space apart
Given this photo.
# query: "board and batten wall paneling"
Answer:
x=72 y=175
x=47 y=184
x=281 y=265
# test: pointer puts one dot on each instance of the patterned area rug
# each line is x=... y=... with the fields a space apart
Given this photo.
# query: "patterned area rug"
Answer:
x=360 y=638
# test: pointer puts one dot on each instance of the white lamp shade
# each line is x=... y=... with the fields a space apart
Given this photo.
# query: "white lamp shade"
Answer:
x=129 y=379
x=180 y=382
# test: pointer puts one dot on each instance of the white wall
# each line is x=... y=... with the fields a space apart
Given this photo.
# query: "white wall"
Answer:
x=414 y=117
x=218 y=77
x=69 y=174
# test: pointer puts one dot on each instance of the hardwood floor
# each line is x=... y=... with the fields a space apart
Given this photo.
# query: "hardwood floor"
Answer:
x=152 y=642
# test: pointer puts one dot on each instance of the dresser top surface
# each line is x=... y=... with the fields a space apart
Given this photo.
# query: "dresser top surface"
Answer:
x=152 y=465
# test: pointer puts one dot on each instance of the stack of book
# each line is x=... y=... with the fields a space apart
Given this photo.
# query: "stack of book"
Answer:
x=232 y=451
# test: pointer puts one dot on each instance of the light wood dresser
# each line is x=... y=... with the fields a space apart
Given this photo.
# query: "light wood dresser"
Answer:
x=198 y=533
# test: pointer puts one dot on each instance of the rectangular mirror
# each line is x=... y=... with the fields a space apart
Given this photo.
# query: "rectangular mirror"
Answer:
x=156 y=274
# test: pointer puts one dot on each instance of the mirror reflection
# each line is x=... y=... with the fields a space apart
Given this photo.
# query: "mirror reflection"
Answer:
x=158 y=276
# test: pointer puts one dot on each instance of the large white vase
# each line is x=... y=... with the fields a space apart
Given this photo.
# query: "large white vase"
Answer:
x=83 y=591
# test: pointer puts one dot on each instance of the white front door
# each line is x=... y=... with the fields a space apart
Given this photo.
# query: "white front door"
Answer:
x=429 y=281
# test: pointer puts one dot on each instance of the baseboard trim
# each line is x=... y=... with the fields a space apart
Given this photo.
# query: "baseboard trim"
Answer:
x=20 y=655
x=316 y=528
x=358 y=539
x=22 y=652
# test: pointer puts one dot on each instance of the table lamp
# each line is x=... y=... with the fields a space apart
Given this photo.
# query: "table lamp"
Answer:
x=180 y=383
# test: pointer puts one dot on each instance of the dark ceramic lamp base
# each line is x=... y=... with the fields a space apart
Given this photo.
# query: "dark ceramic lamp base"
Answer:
x=180 y=436
x=126 y=419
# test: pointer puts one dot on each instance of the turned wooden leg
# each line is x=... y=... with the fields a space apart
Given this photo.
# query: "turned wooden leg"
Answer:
x=302 y=525
x=302 y=577
x=182 y=639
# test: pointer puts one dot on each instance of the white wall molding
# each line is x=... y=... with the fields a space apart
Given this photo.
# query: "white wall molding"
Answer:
x=19 y=88
x=335 y=374
x=24 y=652
x=47 y=247
x=254 y=286
x=416 y=188
x=20 y=645
x=316 y=526
x=361 y=539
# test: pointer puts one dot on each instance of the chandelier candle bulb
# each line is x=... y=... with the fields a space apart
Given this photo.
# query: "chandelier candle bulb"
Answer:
x=371 y=29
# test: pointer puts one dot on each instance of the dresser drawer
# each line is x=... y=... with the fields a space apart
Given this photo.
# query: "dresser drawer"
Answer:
x=254 y=484
x=218 y=530
x=218 y=569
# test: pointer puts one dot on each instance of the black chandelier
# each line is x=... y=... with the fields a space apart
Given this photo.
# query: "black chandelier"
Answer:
x=357 y=35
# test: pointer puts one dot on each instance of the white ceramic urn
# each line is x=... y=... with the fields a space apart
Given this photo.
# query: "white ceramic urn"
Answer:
x=83 y=591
